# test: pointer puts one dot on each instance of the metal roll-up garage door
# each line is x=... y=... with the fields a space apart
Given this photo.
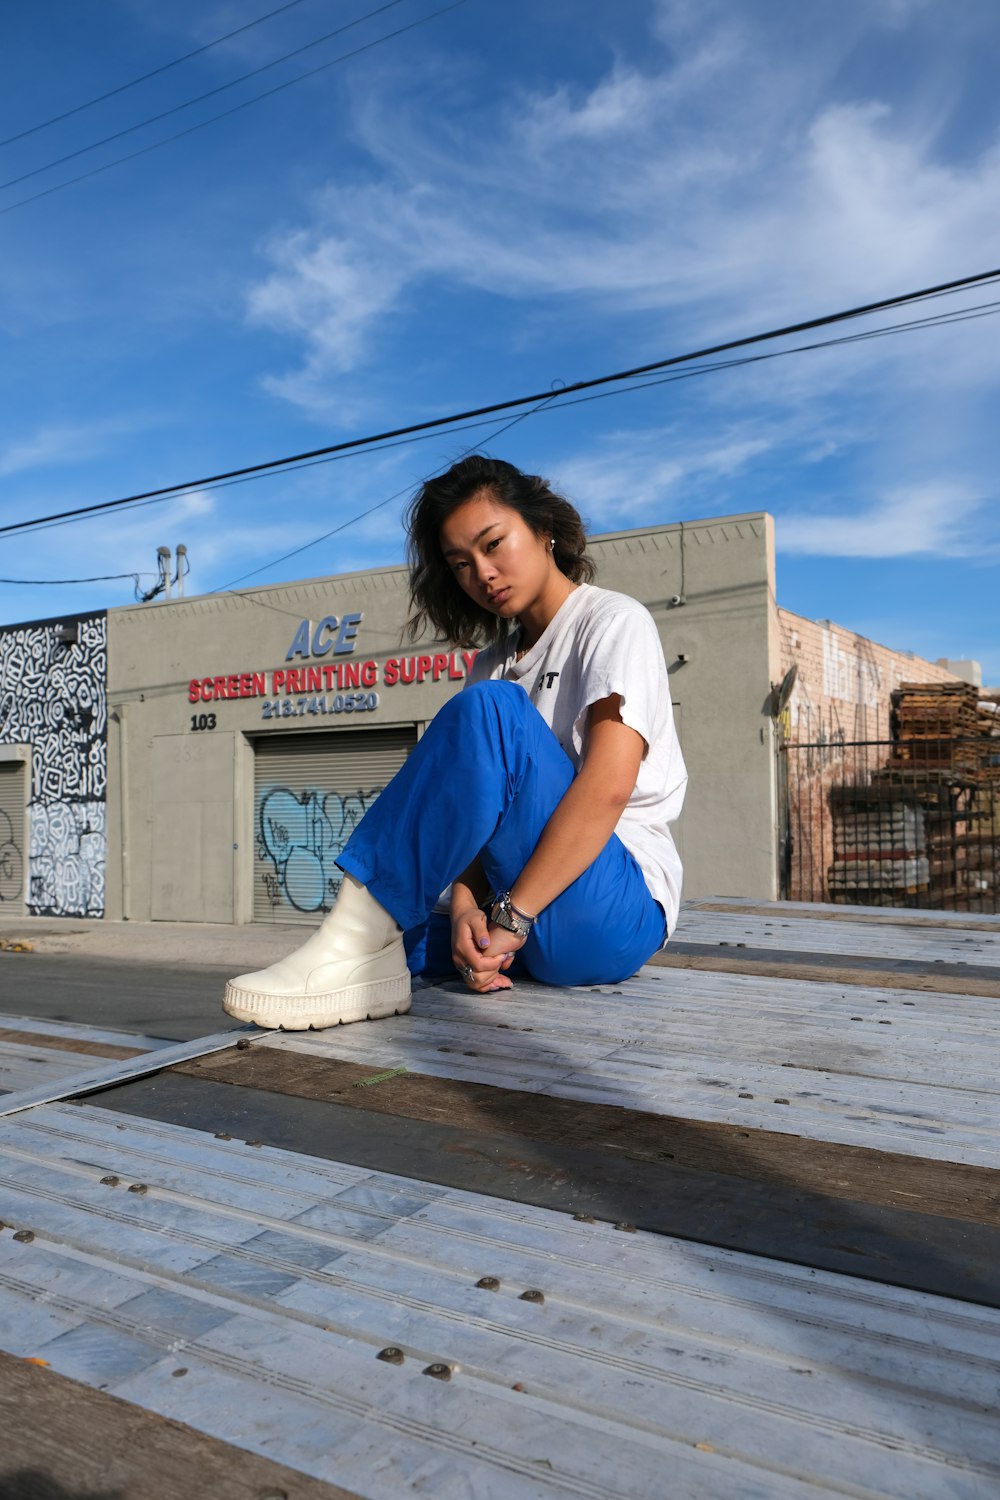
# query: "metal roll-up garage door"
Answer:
x=13 y=853
x=310 y=791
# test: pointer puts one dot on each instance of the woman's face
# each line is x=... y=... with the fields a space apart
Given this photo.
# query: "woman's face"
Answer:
x=499 y=561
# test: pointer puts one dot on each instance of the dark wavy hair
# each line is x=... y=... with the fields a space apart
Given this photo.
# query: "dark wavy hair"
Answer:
x=436 y=596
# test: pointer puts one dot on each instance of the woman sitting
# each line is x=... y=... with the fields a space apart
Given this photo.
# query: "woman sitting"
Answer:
x=543 y=793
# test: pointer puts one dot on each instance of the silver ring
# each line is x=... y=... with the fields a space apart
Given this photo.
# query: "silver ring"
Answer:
x=466 y=973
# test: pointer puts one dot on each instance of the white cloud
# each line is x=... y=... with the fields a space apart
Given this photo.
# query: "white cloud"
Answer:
x=53 y=445
x=619 y=105
x=634 y=195
x=327 y=293
x=941 y=519
x=729 y=183
x=641 y=475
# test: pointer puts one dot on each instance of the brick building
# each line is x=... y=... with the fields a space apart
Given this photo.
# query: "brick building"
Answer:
x=868 y=817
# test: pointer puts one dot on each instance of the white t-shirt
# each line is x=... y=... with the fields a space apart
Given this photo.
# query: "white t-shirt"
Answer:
x=598 y=644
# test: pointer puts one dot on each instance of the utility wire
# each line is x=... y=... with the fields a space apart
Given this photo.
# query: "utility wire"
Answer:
x=554 y=403
x=912 y=325
x=199 y=98
x=521 y=417
x=101 y=578
x=235 y=109
x=154 y=73
x=160 y=586
x=436 y=424
x=940 y=320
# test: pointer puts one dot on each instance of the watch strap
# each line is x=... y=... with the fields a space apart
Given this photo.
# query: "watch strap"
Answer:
x=501 y=912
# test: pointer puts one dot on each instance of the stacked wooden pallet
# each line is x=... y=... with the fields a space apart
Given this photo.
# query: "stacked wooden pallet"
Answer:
x=943 y=757
x=936 y=727
x=988 y=717
x=977 y=871
x=925 y=830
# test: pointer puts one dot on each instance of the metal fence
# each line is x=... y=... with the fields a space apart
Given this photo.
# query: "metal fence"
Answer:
x=891 y=823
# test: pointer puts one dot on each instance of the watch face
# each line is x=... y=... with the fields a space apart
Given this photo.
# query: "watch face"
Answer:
x=502 y=916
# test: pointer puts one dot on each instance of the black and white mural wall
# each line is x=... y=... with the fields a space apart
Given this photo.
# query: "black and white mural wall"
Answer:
x=53 y=697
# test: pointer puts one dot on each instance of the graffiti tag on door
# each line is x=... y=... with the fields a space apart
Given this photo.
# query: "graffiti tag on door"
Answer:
x=299 y=837
x=11 y=862
x=53 y=697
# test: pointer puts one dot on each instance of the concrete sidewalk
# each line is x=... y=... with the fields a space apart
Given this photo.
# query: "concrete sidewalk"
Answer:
x=191 y=943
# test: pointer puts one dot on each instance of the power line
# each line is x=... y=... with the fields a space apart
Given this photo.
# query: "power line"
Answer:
x=436 y=424
x=717 y=367
x=199 y=98
x=941 y=320
x=988 y=309
x=101 y=578
x=555 y=402
x=144 y=78
x=151 y=594
x=235 y=109
x=521 y=417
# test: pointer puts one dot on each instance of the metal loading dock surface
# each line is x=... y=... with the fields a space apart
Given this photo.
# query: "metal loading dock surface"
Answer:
x=728 y=1229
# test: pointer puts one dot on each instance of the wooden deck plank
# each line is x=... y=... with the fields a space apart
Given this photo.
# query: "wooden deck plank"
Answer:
x=80 y=1046
x=862 y=1175
x=772 y=1218
x=893 y=916
x=70 y=1081
x=786 y=1121
x=44 y=1055
x=63 y=1439
x=866 y=1068
x=822 y=968
x=50 y=1033
x=273 y=1279
x=772 y=927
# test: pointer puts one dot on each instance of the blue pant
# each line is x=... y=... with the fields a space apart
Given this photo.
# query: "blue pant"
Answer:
x=484 y=780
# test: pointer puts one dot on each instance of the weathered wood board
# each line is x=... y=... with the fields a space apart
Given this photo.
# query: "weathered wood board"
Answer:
x=875 y=1068
x=248 y=1292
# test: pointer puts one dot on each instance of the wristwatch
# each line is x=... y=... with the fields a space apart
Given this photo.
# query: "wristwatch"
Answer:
x=500 y=911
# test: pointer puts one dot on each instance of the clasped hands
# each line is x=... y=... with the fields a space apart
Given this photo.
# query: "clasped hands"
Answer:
x=481 y=951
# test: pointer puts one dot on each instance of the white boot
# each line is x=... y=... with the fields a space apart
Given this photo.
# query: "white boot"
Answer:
x=353 y=968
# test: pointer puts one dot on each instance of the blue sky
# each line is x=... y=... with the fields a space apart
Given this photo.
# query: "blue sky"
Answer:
x=511 y=196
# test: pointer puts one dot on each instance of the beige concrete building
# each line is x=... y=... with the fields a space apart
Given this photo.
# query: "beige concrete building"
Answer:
x=206 y=759
x=249 y=731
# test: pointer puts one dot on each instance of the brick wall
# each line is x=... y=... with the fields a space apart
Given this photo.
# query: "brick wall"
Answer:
x=834 y=726
x=844 y=685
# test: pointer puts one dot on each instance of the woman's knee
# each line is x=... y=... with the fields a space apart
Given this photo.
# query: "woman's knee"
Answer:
x=485 y=698
x=494 y=691
x=573 y=951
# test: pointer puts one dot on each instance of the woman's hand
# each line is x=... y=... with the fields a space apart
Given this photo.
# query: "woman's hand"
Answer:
x=481 y=951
